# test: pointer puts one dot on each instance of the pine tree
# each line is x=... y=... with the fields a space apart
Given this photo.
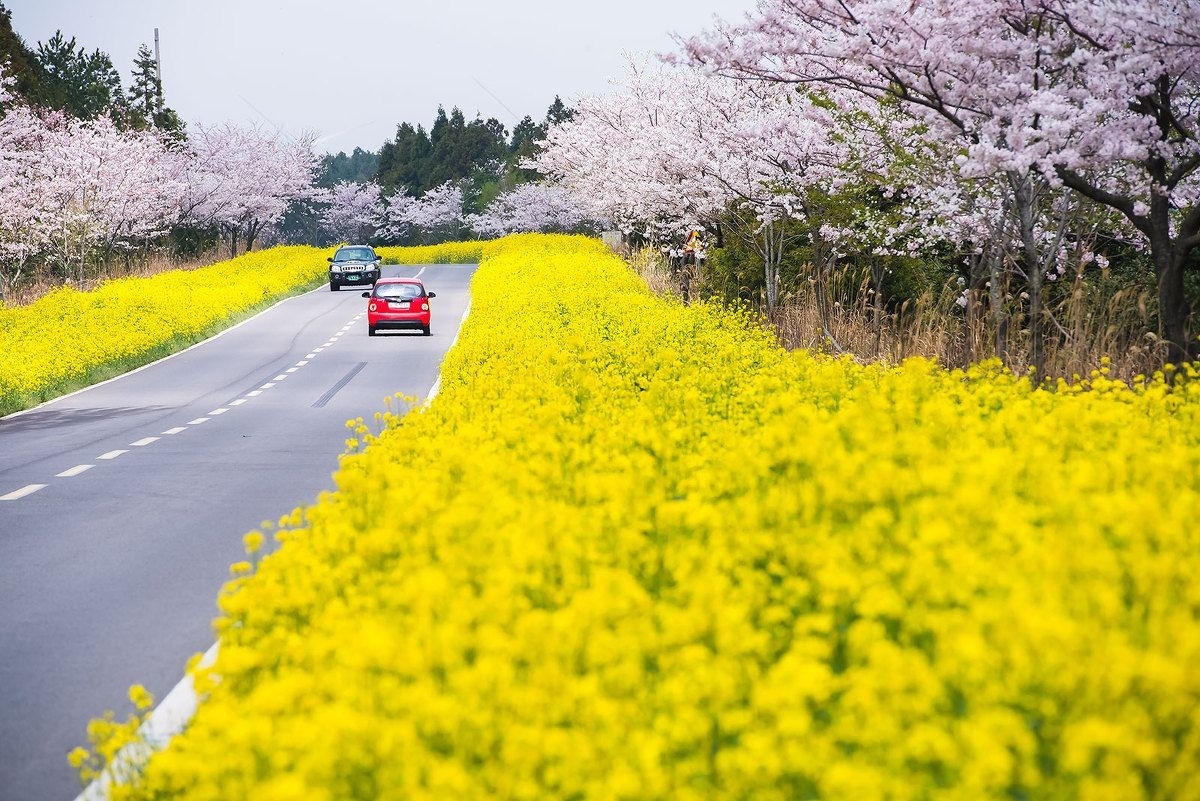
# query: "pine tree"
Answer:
x=559 y=112
x=145 y=90
x=147 y=108
x=84 y=85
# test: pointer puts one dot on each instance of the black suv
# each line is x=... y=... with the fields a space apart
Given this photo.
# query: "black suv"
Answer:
x=353 y=265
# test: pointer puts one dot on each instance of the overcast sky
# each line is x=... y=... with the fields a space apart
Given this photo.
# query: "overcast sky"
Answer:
x=352 y=69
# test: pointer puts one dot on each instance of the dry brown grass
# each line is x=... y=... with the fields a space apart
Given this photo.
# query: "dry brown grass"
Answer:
x=1095 y=317
x=652 y=267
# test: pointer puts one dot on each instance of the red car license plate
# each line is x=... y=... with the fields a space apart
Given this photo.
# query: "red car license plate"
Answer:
x=402 y=306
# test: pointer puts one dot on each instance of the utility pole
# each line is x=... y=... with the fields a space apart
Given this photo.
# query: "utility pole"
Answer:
x=157 y=68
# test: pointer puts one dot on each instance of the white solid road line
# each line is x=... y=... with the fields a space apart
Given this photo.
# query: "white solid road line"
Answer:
x=143 y=442
x=215 y=412
x=28 y=489
x=423 y=269
x=197 y=421
x=175 y=430
x=111 y=455
x=74 y=471
x=237 y=402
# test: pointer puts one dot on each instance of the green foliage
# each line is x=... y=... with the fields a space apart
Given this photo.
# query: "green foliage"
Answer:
x=146 y=106
x=480 y=152
x=22 y=64
x=84 y=85
x=359 y=167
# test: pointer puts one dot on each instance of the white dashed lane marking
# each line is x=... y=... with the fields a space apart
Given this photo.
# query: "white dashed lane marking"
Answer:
x=28 y=489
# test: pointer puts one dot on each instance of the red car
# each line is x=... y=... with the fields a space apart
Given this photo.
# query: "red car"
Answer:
x=398 y=303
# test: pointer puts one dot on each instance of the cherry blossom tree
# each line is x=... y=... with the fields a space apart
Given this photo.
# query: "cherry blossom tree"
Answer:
x=671 y=150
x=76 y=190
x=242 y=179
x=103 y=189
x=531 y=207
x=23 y=232
x=1101 y=96
x=352 y=212
x=435 y=216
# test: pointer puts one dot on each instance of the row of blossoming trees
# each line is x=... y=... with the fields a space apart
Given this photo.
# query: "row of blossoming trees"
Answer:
x=1025 y=136
x=76 y=194
x=360 y=212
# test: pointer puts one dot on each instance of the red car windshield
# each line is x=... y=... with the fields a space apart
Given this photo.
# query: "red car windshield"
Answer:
x=399 y=291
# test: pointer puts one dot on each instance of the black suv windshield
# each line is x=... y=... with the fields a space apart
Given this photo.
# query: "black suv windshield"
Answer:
x=399 y=291
x=354 y=254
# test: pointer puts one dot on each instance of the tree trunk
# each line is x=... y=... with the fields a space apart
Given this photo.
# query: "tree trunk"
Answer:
x=772 y=254
x=995 y=259
x=1173 y=308
x=1022 y=186
x=877 y=273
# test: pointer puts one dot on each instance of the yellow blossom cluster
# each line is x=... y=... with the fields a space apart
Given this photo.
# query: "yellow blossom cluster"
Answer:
x=447 y=253
x=70 y=338
x=634 y=550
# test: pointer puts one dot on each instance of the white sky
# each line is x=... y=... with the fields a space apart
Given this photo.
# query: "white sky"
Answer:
x=352 y=69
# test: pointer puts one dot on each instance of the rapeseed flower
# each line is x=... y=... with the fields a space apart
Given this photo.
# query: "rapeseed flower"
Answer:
x=649 y=554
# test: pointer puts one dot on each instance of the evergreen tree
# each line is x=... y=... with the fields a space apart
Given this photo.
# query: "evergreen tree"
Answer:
x=84 y=85
x=146 y=106
x=145 y=90
x=23 y=64
x=359 y=167
x=559 y=112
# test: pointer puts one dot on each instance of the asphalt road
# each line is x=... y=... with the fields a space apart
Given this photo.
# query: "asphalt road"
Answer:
x=109 y=573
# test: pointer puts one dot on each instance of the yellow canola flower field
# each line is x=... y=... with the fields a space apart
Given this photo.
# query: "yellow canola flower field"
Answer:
x=635 y=550
x=69 y=339
x=447 y=253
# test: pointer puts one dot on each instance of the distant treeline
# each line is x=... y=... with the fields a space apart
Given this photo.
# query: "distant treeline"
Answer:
x=480 y=151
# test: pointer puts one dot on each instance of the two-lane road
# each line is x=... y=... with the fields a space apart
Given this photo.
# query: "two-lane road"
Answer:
x=122 y=507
